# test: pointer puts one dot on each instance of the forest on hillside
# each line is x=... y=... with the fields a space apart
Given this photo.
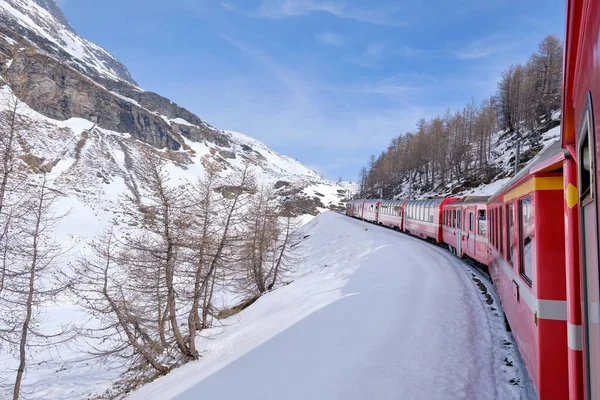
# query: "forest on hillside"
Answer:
x=456 y=150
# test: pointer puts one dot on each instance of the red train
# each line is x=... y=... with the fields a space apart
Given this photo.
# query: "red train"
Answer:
x=538 y=235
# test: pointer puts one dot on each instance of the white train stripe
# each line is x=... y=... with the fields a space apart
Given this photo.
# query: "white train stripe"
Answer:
x=575 y=337
x=416 y=221
x=479 y=238
x=546 y=309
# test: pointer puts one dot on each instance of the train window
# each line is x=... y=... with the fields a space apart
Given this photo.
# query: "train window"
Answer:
x=481 y=222
x=491 y=239
x=470 y=222
x=501 y=235
x=527 y=245
x=510 y=234
x=498 y=230
x=588 y=217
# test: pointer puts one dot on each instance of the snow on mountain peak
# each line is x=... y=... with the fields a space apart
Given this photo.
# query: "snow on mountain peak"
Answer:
x=44 y=25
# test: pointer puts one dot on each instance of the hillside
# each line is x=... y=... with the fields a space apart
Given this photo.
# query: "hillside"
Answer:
x=356 y=323
x=99 y=117
x=77 y=137
x=475 y=149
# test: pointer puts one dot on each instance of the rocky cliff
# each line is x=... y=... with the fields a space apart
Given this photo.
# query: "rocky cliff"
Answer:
x=66 y=83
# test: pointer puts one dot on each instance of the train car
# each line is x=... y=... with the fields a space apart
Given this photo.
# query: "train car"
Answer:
x=464 y=228
x=354 y=208
x=527 y=266
x=391 y=213
x=422 y=218
x=371 y=210
x=581 y=137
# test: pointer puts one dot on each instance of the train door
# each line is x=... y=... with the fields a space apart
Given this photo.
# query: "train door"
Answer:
x=472 y=238
x=589 y=251
x=458 y=231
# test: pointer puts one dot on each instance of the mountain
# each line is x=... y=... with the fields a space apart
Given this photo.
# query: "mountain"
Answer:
x=99 y=118
x=42 y=23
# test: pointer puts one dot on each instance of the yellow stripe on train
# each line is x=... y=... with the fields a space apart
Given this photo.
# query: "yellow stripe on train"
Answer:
x=549 y=183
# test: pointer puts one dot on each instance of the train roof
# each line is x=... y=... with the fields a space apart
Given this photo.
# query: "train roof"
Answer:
x=573 y=38
x=427 y=202
x=389 y=202
x=397 y=202
x=545 y=161
x=472 y=200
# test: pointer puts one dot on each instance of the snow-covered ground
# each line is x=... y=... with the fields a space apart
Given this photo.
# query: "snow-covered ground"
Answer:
x=370 y=314
x=92 y=169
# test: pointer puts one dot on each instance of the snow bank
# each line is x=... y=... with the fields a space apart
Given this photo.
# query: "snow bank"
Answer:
x=369 y=314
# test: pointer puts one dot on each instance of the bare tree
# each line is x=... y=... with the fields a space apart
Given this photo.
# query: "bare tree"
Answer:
x=33 y=282
x=262 y=231
x=458 y=145
x=119 y=330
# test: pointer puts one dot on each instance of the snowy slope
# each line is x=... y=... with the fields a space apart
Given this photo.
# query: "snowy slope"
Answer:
x=96 y=166
x=369 y=314
x=92 y=168
x=44 y=25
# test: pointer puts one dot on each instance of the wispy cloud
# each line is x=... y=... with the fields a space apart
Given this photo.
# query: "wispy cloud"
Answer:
x=279 y=9
x=330 y=39
x=408 y=51
x=297 y=88
x=479 y=48
x=375 y=50
x=371 y=56
x=397 y=87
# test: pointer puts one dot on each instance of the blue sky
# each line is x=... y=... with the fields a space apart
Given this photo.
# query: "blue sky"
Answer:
x=326 y=82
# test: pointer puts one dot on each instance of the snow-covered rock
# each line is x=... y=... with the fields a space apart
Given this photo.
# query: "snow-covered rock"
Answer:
x=42 y=23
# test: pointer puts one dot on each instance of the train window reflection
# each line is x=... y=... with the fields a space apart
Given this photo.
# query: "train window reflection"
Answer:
x=482 y=223
x=527 y=244
x=501 y=227
x=510 y=234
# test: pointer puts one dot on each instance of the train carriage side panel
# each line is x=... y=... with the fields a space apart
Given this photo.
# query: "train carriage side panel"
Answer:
x=581 y=136
x=528 y=270
x=549 y=285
